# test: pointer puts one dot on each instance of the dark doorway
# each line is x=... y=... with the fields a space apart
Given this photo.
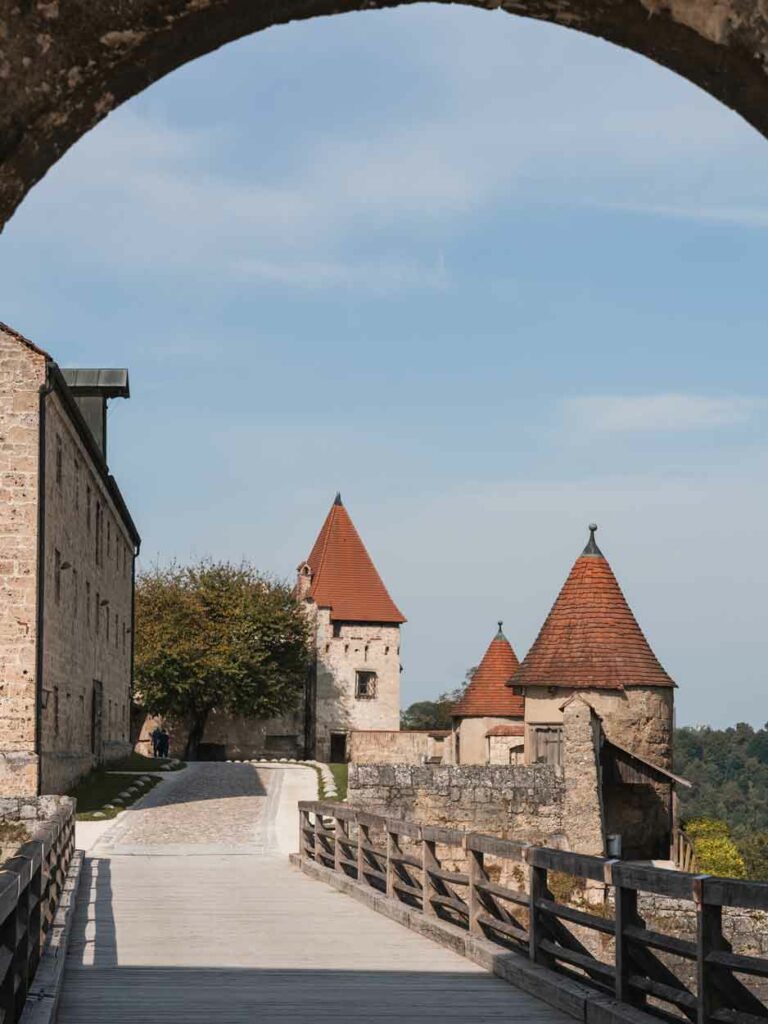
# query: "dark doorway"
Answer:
x=338 y=747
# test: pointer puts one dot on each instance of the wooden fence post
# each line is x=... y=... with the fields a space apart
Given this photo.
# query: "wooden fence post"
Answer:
x=538 y=890
x=477 y=874
x=625 y=914
x=709 y=938
x=392 y=850
x=429 y=861
x=362 y=837
x=338 y=833
x=302 y=824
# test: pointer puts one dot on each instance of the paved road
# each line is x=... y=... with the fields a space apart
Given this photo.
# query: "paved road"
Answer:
x=189 y=912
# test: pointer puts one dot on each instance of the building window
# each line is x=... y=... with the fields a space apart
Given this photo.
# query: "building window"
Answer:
x=74 y=593
x=115 y=630
x=547 y=743
x=107 y=619
x=365 y=685
x=123 y=637
x=57 y=575
x=55 y=711
x=77 y=482
x=59 y=459
x=97 y=612
x=88 y=603
x=88 y=508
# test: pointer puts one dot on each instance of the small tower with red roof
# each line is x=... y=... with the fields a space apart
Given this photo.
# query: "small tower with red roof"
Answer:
x=488 y=720
x=592 y=645
x=591 y=680
x=355 y=678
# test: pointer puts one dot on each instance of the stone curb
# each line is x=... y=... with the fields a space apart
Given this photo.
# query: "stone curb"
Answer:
x=578 y=1001
x=45 y=991
x=329 y=783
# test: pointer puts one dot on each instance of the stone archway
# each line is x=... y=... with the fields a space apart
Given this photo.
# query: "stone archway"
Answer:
x=64 y=64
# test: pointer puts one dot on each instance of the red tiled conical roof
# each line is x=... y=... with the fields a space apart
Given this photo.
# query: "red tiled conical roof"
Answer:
x=344 y=578
x=591 y=639
x=487 y=693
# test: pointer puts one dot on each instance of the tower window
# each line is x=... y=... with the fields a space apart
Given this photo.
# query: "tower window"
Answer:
x=365 y=685
x=337 y=629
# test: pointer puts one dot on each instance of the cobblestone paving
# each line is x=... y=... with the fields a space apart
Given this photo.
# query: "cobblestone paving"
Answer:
x=208 y=806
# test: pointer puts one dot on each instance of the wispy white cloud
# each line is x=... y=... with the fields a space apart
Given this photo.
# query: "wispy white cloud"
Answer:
x=379 y=278
x=734 y=216
x=661 y=413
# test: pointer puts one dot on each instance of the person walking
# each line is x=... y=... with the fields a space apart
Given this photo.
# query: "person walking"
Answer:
x=156 y=737
x=165 y=743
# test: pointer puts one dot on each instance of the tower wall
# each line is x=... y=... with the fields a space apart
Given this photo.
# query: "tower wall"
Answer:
x=638 y=718
x=343 y=651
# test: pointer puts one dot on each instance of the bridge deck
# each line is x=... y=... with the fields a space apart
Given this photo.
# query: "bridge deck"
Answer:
x=190 y=912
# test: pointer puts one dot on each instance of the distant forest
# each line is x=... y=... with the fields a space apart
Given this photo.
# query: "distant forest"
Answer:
x=729 y=772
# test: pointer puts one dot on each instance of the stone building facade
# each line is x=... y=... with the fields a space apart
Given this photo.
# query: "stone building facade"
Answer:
x=67 y=550
x=353 y=685
x=355 y=678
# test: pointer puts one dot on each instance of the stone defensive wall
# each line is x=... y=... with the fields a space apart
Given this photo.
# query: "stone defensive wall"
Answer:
x=390 y=746
x=524 y=802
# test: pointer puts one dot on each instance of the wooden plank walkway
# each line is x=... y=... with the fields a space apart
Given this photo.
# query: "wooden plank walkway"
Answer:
x=240 y=936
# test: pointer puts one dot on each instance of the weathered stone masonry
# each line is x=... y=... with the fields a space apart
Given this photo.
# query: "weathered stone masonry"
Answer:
x=67 y=546
x=523 y=802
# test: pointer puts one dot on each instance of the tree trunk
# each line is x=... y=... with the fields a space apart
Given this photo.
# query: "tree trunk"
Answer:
x=196 y=735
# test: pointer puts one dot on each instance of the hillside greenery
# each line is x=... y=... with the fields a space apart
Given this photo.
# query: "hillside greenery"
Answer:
x=729 y=772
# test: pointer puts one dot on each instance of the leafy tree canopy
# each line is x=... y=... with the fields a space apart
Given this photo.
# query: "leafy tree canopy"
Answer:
x=216 y=636
x=729 y=772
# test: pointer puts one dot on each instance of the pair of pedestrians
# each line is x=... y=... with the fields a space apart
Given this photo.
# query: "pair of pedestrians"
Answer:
x=161 y=741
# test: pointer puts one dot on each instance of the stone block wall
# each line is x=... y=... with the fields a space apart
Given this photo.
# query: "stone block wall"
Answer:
x=584 y=817
x=22 y=373
x=227 y=737
x=86 y=642
x=523 y=802
x=395 y=747
x=341 y=653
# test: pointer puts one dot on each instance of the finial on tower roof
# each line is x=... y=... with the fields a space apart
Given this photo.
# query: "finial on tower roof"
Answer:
x=337 y=499
x=501 y=631
x=592 y=548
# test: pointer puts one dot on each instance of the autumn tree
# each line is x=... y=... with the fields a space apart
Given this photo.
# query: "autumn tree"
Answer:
x=218 y=637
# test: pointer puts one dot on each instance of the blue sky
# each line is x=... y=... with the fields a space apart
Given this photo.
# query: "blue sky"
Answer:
x=489 y=278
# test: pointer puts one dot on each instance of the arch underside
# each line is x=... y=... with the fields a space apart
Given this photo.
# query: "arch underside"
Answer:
x=65 y=64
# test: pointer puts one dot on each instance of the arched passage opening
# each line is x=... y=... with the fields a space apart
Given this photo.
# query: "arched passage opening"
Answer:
x=64 y=66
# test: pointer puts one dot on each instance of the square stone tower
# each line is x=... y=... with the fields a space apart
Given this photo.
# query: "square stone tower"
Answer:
x=355 y=679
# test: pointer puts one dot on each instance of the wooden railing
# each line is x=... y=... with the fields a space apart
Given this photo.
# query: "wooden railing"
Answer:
x=31 y=884
x=671 y=977
x=683 y=852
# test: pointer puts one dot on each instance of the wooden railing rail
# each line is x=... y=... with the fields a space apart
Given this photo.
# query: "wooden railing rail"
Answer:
x=683 y=852
x=31 y=884
x=637 y=965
